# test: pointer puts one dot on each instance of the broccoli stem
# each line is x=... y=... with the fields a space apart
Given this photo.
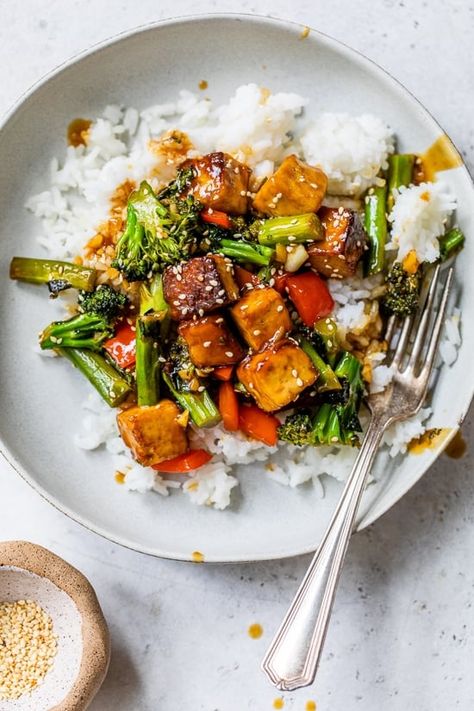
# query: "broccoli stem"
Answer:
x=327 y=379
x=100 y=373
x=147 y=366
x=81 y=331
x=326 y=426
x=376 y=228
x=451 y=242
x=245 y=252
x=200 y=406
x=42 y=271
x=327 y=331
x=290 y=230
x=400 y=173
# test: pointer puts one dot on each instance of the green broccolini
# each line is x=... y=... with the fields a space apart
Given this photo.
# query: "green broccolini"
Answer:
x=81 y=331
x=104 y=301
x=297 y=429
x=218 y=240
x=403 y=290
x=156 y=234
x=339 y=423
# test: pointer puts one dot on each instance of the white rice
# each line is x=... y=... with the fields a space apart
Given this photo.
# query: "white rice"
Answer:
x=419 y=216
x=351 y=150
x=258 y=128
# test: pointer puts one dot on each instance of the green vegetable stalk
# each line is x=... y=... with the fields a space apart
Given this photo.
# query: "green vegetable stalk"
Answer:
x=59 y=275
x=245 y=252
x=290 y=230
x=400 y=173
x=101 y=374
x=451 y=243
x=147 y=363
x=376 y=227
x=327 y=379
x=200 y=406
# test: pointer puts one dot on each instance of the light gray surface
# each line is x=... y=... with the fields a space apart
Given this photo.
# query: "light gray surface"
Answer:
x=401 y=630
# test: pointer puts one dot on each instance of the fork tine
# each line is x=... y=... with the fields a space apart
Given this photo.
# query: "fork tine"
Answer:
x=402 y=342
x=391 y=323
x=433 y=345
x=423 y=323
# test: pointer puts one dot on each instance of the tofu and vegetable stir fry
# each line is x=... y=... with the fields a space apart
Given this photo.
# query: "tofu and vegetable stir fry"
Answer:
x=224 y=313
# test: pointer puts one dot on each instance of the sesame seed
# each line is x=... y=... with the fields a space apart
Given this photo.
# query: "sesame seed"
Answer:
x=179 y=277
x=291 y=238
x=201 y=389
x=251 y=386
x=219 y=301
x=208 y=288
x=257 y=332
x=313 y=393
x=243 y=193
x=206 y=344
x=299 y=383
x=294 y=373
x=280 y=308
x=200 y=277
x=229 y=354
x=182 y=297
x=213 y=282
x=221 y=292
x=201 y=312
x=219 y=320
x=210 y=211
x=334 y=439
x=244 y=307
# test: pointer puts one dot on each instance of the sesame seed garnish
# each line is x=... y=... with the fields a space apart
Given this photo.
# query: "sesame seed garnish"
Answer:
x=206 y=344
x=179 y=277
x=229 y=354
x=256 y=332
x=280 y=308
x=221 y=292
x=219 y=301
x=213 y=282
x=182 y=297
x=251 y=386
x=201 y=312
x=201 y=389
x=299 y=382
x=294 y=373
x=28 y=646
x=208 y=288
x=219 y=320
x=200 y=277
x=244 y=307
x=243 y=193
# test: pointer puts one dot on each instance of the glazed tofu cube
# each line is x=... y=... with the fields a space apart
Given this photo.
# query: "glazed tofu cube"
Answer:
x=295 y=188
x=220 y=182
x=210 y=342
x=276 y=376
x=261 y=316
x=345 y=242
x=154 y=434
x=198 y=286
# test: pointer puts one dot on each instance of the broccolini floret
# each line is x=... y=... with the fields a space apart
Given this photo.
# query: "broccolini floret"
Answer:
x=339 y=423
x=403 y=290
x=81 y=331
x=156 y=234
x=297 y=429
x=103 y=301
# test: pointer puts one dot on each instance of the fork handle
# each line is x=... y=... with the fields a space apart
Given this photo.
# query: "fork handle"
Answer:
x=292 y=658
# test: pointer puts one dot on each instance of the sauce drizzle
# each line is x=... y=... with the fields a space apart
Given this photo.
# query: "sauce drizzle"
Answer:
x=431 y=439
x=255 y=631
x=441 y=155
x=457 y=447
x=78 y=132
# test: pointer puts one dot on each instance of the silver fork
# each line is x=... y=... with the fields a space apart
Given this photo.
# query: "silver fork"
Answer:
x=293 y=656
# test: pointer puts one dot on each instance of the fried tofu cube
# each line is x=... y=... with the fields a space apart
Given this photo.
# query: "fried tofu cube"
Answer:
x=261 y=316
x=277 y=375
x=344 y=243
x=154 y=434
x=220 y=182
x=210 y=342
x=198 y=286
x=295 y=188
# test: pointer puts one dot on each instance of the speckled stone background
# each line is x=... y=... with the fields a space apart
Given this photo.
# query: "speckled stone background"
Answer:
x=402 y=634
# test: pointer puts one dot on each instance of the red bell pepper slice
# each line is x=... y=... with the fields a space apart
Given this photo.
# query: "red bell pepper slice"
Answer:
x=215 y=217
x=229 y=406
x=258 y=424
x=192 y=459
x=310 y=295
x=121 y=347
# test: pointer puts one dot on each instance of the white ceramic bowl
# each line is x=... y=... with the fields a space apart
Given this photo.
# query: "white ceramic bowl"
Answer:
x=41 y=398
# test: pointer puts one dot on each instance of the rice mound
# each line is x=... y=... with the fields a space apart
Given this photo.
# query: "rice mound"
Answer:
x=258 y=128
x=419 y=216
x=351 y=150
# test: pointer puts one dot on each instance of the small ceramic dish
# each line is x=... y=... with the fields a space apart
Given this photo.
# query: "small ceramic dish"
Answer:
x=30 y=572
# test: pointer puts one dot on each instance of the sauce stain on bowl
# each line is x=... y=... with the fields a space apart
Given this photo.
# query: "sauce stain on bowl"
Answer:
x=431 y=439
x=457 y=447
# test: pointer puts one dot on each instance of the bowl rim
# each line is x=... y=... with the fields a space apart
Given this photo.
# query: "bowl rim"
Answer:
x=285 y=25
